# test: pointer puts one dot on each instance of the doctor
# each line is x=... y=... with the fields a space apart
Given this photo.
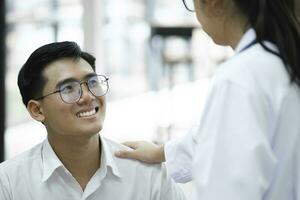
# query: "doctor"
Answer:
x=247 y=144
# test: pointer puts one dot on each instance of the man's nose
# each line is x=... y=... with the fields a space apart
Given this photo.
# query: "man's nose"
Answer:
x=86 y=93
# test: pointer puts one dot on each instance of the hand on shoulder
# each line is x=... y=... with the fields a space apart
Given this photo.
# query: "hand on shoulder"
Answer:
x=144 y=151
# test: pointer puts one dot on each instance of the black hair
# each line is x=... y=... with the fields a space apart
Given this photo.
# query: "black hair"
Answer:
x=275 y=21
x=31 y=81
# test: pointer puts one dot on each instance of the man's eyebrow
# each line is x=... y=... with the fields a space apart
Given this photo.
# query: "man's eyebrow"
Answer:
x=67 y=80
x=90 y=75
x=71 y=79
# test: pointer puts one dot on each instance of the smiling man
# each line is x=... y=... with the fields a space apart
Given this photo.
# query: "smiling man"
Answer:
x=60 y=88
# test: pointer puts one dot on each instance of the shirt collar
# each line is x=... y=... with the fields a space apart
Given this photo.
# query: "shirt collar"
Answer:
x=247 y=38
x=51 y=162
x=107 y=158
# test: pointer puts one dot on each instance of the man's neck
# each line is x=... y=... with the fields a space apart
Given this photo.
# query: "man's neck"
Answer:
x=81 y=156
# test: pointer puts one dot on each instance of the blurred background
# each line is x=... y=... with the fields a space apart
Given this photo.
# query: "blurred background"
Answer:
x=158 y=60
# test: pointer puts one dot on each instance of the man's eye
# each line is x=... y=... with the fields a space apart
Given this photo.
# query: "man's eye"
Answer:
x=67 y=89
x=93 y=83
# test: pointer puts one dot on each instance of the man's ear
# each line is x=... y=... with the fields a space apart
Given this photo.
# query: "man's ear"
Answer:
x=35 y=110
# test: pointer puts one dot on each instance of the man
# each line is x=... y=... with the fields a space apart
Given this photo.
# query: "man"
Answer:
x=60 y=88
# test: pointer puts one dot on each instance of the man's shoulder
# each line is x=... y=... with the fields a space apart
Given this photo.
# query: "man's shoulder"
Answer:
x=23 y=160
x=151 y=178
x=130 y=168
x=115 y=146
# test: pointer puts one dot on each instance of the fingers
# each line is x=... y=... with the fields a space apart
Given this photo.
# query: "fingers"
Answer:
x=126 y=154
x=133 y=145
x=143 y=151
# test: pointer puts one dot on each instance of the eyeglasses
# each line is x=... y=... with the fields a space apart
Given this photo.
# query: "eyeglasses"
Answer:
x=71 y=92
x=189 y=5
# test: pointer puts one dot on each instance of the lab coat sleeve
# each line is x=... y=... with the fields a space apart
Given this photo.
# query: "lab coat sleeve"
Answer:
x=164 y=187
x=179 y=152
x=179 y=156
x=233 y=158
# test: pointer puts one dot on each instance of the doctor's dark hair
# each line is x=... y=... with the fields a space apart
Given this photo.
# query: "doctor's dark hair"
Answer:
x=276 y=21
x=31 y=81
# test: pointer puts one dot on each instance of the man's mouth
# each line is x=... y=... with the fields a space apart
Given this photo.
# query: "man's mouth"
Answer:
x=88 y=113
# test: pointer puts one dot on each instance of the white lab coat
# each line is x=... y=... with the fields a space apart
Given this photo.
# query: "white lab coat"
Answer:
x=247 y=145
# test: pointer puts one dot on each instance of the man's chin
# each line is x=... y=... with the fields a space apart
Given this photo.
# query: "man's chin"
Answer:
x=92 y=130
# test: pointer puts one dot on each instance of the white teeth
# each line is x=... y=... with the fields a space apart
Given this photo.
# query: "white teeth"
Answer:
x=87 y=114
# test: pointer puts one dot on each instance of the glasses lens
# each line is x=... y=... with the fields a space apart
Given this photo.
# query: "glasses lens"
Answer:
x=70 y=92
x=189 y=4
x=98 y=85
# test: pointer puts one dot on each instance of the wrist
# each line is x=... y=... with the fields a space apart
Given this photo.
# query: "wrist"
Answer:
x=161 y=153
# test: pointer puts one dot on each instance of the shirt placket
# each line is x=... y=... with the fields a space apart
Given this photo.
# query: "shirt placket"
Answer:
x=94 y=184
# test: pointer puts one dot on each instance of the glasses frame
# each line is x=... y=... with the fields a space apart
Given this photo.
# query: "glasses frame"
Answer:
x=186 y=6
x=80 y=83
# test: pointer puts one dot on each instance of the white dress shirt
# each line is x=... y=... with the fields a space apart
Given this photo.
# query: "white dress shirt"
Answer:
x=247 y=145
x=39 y=175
